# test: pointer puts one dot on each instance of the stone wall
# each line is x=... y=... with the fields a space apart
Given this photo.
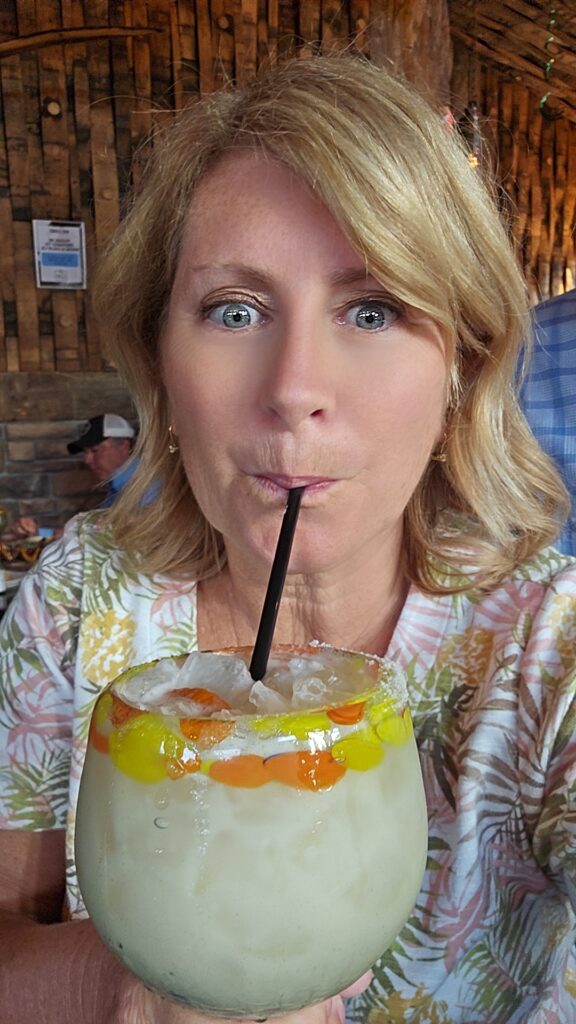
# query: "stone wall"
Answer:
x=39 y=414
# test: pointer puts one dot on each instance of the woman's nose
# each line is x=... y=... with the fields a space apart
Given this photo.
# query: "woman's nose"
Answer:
x=299 y=385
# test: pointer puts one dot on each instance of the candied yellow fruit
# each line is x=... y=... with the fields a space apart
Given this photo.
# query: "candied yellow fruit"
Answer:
x=395 y=729
x=143 y=747
x=361 y=751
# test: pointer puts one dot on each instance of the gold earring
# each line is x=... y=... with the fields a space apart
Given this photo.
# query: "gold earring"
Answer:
x=172 y=442
x=438 y=457
x=440 y=454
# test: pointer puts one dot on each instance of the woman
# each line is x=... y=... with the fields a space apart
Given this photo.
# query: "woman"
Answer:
x=314 y=289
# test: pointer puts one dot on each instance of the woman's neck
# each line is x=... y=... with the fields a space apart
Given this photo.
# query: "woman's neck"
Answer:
x=353 y=608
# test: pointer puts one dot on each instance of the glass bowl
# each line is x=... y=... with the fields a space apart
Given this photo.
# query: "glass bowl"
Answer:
x=249 y=865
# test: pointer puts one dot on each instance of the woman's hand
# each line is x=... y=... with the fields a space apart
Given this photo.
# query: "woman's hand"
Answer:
x=139 y=1005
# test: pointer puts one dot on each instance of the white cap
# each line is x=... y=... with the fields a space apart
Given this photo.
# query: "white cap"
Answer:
x=116 y=426
x=98 y=428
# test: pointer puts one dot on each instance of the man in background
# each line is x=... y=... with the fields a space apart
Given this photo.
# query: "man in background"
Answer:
x=105 y=443
x=549 y=394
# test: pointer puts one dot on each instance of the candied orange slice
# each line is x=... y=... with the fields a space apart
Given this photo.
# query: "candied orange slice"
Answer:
x=304 y=770
x=244 y=770
x=122 y=712
x=347 y=714
x=98 y=740
x=100 y=723
x=205 y=732
x=209 y=701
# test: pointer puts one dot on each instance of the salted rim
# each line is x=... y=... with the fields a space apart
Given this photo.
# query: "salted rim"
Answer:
x=393 y=686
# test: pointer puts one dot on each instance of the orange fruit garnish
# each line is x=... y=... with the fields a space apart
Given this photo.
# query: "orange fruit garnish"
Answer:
x=210 y=701
x=99 y=731
x=347 y=714
x=122 y=712
x=304 y=770
x=244 y=770
x=206 y=732
x=97 y=739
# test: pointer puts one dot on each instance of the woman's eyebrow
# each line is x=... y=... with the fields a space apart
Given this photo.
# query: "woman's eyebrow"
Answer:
x=249 y=274
x=354 y=275
x=260 y=278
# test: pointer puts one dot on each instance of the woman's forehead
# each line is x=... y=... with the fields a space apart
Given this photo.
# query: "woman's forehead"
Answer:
x=244 y=166
x=252 y=206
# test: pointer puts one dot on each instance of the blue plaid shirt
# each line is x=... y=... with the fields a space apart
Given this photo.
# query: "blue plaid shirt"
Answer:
x=549 y=394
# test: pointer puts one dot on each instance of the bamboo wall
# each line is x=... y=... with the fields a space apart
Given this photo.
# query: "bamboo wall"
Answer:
x=534 y=157
x=82 y=85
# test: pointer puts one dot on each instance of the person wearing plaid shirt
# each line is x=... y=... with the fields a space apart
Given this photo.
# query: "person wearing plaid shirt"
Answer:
x=549 y=394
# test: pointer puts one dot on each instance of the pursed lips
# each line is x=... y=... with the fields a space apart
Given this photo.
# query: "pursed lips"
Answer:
x=286 y=483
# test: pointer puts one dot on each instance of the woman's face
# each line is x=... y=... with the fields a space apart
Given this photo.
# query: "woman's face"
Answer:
x=286 y=365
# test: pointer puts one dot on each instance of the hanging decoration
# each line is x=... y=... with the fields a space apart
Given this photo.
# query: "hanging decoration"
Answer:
x=550 y=115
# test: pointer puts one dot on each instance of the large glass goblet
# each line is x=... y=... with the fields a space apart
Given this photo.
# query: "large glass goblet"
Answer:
x=253 y=864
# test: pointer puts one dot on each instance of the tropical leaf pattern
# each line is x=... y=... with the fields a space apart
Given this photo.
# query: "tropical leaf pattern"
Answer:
x=492 y=678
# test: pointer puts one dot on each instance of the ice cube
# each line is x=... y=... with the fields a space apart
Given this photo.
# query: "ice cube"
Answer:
x=157 y=686
x=267 y=701
x=222 y=673
x=150 y=685
x=283 y=671
x=310 y=692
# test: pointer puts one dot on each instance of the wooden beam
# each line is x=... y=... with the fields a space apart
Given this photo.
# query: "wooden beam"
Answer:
x=73 y=35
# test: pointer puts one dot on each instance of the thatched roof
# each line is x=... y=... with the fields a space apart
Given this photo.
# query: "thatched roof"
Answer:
x=528 y=41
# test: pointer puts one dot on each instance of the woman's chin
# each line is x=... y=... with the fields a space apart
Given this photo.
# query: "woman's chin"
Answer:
x=313 y=559
x=257 y=555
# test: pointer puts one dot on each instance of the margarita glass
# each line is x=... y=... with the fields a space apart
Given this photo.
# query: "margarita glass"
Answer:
x=251 y=864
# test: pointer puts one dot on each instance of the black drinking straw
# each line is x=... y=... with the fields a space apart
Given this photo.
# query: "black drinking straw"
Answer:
x=265 y=633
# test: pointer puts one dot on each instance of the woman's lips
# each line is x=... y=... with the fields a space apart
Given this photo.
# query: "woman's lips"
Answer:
x=277 y=482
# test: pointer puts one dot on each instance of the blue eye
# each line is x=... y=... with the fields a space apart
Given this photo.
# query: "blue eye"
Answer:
x=234 y=315
x=372 y=315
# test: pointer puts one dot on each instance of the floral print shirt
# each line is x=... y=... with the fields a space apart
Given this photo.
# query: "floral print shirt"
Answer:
x=492 y=680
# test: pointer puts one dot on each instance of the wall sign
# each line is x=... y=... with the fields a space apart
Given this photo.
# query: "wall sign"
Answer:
x=59 y=253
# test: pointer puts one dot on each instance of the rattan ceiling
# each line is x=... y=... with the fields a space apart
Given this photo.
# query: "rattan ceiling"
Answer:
x=527 y=40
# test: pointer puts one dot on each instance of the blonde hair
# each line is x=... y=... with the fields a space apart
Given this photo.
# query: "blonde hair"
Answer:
x=402 y=190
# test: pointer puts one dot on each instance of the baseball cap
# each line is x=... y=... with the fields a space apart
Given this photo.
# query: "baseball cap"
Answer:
x=95 y=431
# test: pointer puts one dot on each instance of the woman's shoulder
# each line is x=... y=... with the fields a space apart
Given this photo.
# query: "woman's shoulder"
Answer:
x=547 y=568
x=111 y=573
x=88 y=558
x=540 y=590
x=532 y=581
x=89 y=537
x=530 y=616
x=49 y=597
x=519 y=636
x=533 y=589
x=90 y=530
x=81 y=532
